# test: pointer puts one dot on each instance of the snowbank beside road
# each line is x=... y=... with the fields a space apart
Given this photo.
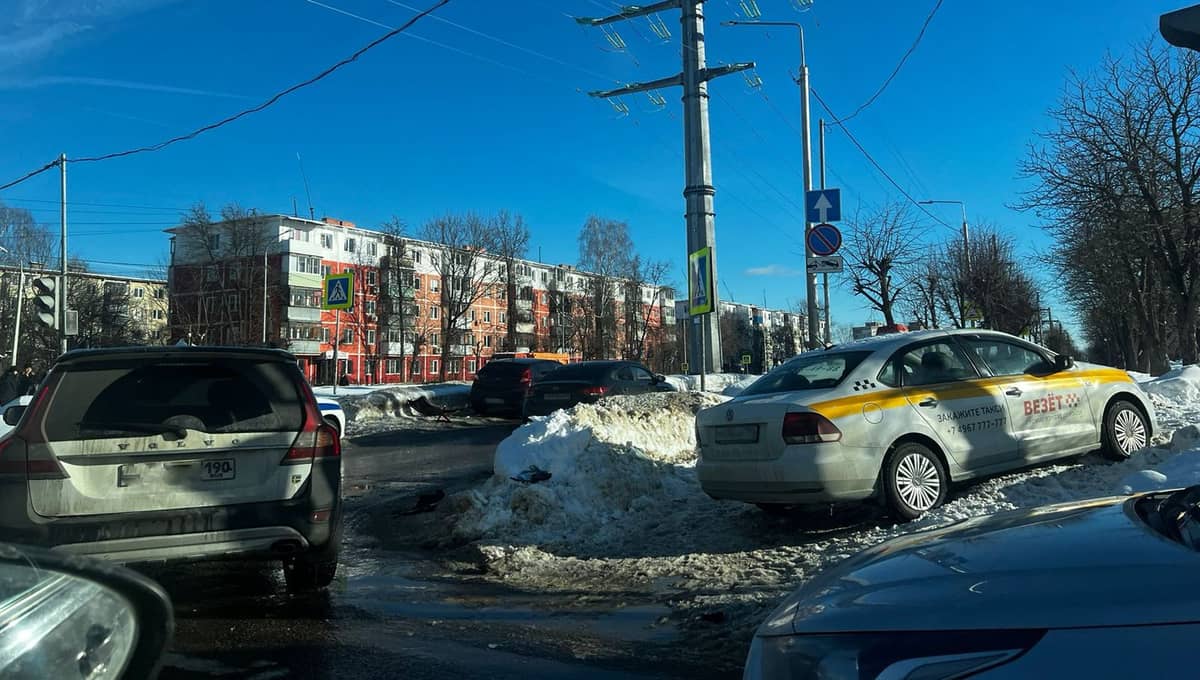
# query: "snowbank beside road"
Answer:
x=392 y=401
x=713 y=382
x=624 y=455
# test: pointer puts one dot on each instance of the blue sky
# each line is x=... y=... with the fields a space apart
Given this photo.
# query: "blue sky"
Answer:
x=456 y=119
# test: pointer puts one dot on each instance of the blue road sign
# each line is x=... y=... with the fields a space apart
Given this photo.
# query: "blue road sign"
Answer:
x=824 y=240
x=338 y=291
x=823 y=205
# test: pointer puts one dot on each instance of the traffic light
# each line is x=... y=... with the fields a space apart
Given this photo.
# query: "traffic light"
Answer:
x=45 y=301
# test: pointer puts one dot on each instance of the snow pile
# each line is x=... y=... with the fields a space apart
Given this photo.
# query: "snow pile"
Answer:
x=713 y=382
x=623 y=455
x=1180 y=385
x=734 y=389
x=393 y=401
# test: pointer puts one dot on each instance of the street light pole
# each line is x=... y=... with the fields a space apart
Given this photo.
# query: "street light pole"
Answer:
x=806 y=150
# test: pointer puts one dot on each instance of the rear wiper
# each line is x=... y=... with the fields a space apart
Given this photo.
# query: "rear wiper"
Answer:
x=148 y=428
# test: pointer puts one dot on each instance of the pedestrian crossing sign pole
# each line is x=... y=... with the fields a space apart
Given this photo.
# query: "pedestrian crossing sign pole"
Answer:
x=337 y=293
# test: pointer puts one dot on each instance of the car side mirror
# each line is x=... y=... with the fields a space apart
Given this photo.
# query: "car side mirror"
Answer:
x=12 y=415
x=79 y=617
x=1062 y=362
x=660 y=378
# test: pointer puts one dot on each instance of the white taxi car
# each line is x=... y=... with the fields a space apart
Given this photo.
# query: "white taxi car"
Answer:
x=900 y=417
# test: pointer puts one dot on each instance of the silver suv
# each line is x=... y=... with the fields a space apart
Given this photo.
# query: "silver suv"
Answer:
x=176 y=453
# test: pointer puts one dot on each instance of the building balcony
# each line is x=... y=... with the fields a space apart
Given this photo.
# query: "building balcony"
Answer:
x=524 y=305
x=464 y=323
x=462 y=350
x=526 y=327
x=303 y=314
x=304 y=347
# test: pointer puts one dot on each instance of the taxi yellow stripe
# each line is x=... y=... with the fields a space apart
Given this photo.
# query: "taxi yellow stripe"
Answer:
x=894 y=397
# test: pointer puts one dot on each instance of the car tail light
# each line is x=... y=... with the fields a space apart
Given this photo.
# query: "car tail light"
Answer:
x=317 y=439
x=809 y=428
x=45 y=466
x=594 y=391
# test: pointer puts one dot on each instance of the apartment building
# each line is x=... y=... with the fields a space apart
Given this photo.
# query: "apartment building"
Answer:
x=258 y=280
x=768 y=336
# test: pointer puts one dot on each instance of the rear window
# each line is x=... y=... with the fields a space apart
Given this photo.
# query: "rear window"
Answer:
x=107 y=399
x=501 y=369
x=580 y=372
x=816 y=372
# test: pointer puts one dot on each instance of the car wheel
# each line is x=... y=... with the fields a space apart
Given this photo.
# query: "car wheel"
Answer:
x=914 y=480
x=314 y=570
x=1125 y=430
x=332 y=422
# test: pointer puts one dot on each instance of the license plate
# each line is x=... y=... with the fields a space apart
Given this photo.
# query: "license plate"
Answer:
x=493 y=400
x=557 y=397
x=736 y=434
x=218 y=468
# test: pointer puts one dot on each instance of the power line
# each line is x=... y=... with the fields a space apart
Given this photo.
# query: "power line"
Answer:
x=99 y=205
x=842 y=125
x=29 y=175
x=899 y=65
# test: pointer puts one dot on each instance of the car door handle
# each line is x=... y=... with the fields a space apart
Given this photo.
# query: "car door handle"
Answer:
x=928 y=402
x=1013 y=391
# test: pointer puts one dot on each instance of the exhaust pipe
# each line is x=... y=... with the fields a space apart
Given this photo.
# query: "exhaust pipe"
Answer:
x=287 y=546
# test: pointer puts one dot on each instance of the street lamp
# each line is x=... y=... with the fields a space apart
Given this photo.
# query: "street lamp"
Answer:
x=966 y=242
x=802 y=81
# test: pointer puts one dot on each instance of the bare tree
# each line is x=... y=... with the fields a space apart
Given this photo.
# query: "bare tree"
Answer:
x=879 y=254
x=605 y=249
x=1124 y=156
x=512 y=242
x=645 y=287
x=467 y=270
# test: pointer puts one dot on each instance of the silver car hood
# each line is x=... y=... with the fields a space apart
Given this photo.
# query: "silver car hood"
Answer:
x=1092 y=563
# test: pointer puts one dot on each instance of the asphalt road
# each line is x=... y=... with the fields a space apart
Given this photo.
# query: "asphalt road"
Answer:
x=393 y=611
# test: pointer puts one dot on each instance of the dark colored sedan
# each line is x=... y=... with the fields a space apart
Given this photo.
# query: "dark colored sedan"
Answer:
x=501 y=385
x=587 y=382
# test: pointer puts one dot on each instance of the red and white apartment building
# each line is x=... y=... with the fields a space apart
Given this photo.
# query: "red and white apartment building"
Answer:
x=259 y=280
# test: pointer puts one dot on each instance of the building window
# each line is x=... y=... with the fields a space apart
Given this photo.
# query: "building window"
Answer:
x=349 y=245
x=487 y=341
x=326 y=270
x=502 y=317
x=392 y=366
x=159 y=293
x=370 y=337
x=372 y=248
x=371 y=276
x=138 y=292
x=434 y=338
x=369 y=306
x=433 y=366
x=434 y=312
x=433 y=285
x=544 y=277
x=433 y=259
x=327 y=240
x=472 y=315
x=210 y=273
x=470 y=365
x=454 y=366
x=305 y=297
x=415 y=369
x=300 y=235
x=487 y=317
x=231 y=302
x=325 y=335
x=306 y=264
x=416 y=283
x=214 y=241
x=347 y=336
x=417 y=259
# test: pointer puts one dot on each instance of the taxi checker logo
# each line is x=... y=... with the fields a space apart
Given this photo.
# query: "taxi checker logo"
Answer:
x=1051 y=403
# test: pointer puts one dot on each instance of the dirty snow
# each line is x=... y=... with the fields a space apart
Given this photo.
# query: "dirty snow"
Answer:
x=623 y=511
x=713 y=382
x=622 y=457
x=375 y=409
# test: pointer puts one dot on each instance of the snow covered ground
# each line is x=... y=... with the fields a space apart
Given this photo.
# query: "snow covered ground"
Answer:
x=623 y=512
x=377 y=407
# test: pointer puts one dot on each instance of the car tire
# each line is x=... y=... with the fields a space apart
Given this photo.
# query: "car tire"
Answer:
x=914 y=480
x=333 y=422
x=315 y=570
x=1125 y=430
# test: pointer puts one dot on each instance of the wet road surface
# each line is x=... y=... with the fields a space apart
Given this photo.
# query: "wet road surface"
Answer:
x=396 y=612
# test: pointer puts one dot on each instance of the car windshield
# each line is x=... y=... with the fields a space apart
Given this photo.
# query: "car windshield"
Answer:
x=816 y=372
x=144 y=397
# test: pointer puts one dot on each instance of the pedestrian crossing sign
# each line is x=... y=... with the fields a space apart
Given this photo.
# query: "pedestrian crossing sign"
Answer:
x=338 y=291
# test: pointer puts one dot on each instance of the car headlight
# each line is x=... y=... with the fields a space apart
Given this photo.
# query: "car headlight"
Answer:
x=923 y=655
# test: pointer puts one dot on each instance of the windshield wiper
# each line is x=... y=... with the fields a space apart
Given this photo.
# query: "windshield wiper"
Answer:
x=146 y=428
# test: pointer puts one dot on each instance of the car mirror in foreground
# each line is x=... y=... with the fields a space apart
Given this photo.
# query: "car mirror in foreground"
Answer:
x=63 y=616
x=1062 y=362
x=12 y=414
x=1181 y=28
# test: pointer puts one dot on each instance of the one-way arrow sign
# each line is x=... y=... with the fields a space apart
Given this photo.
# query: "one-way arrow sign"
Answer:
x=823 y=205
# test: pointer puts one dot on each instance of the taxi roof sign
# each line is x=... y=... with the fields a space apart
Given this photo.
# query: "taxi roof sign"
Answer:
x=338 y=291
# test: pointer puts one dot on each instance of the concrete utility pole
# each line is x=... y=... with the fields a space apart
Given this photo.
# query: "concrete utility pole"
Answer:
x=824 y=276
x=806 y=150
x=698 y=193
x=62 y=284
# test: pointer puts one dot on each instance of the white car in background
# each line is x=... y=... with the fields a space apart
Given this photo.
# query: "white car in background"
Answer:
x=900 y=417
x=332 y=413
